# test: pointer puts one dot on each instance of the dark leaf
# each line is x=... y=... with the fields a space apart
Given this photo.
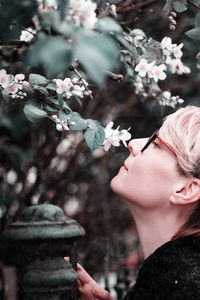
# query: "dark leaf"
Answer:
x=194 y=33
x=94 y=135
x=52 y=52
x=97 y=54
x=33 y=111
x=37 y=79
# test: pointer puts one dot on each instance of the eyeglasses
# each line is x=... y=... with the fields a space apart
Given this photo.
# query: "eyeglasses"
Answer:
x=156 y=136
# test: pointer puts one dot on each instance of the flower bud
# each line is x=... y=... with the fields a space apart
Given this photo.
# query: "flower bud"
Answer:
x=72 y=123
x=27 y=85
x=172 y=27
x=65 y=127
x=54 y=117
x=173 y=13
x=59 y=127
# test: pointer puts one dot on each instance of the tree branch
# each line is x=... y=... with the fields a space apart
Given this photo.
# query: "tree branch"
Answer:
x=194 y=4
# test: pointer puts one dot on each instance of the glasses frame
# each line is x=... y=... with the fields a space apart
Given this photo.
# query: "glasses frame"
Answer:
x=156 y=136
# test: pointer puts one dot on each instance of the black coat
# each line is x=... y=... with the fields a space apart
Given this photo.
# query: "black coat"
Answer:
x=172 y=272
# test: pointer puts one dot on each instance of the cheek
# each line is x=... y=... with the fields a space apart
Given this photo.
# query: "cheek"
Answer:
x=144 y=182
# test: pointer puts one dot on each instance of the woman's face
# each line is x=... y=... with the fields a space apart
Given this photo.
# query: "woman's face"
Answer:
x=147 y=178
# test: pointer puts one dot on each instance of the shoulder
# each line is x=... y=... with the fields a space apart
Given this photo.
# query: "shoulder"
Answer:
x=171 y=272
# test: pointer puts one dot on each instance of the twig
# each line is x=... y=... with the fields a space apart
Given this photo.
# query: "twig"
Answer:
x=117 y=77
x=73 y=68
x=25 y=29
x=194 y=4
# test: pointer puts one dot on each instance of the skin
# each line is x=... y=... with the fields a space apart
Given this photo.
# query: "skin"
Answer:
x=159 y=198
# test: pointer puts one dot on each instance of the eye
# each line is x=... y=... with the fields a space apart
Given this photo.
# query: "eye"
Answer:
x=156 y=144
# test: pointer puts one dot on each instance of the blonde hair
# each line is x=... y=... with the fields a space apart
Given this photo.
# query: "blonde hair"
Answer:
x=182 y=131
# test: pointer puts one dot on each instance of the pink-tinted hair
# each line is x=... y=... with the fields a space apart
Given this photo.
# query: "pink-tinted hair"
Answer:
x=182 y=131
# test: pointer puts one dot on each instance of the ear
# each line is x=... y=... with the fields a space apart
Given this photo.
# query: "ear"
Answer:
x=186 y=193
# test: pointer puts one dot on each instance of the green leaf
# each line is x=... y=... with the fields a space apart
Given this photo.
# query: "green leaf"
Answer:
x=37 y=79
x=33 y=111
x=63 y=5
x=50 y=108
x=167 y=7
x=81 y=123
x=197 y=20
x=60 y=100
x=52 y=20
x=194 y=33
x=52 y=52
x=184 y=2
x=42 y=90
x=108 y=25
x=97 y=54
x=179 y=7
x=66 y=107
x=128 y=46
x=51 y=86
x=139 y=32
x=94 y=135
x=63 y=115
x=78 y=100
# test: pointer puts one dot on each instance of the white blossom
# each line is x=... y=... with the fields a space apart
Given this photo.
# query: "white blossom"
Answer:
x=177 y=51
x=63 y=85
x=143 y=67
x=19 y=78
x=125 y=136
x=82 y=13
x=27 y=35
x=59 y=127
x=167 y=100
x=114 y=136
x=4 y=78
x=138 y=84
x=166 y=95
x=166 y=45
x=12 y=85
x=157 y=72
x=78 y=90
x=178 y=67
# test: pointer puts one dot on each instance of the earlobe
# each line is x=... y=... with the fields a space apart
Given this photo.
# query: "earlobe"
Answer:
x=186 y=193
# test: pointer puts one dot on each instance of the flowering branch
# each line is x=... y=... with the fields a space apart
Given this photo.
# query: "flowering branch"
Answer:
x=73 y=67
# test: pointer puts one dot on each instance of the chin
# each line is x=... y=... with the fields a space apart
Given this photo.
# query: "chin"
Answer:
x=115 y=185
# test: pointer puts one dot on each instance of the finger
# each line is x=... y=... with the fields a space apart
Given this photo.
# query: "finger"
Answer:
x=83 y=275
x=66 y=258
x=102 y=294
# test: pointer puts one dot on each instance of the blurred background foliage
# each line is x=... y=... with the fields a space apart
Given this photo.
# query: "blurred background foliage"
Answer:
x=38 y=167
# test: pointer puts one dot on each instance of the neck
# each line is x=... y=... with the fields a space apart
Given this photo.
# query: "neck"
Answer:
x=155 y=228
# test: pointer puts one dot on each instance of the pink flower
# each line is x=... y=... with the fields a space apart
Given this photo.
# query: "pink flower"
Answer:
x=166 y=43
x=4 y=78
x=143 y=67
x=157 y=72
x=63 y=85
x=177 y=51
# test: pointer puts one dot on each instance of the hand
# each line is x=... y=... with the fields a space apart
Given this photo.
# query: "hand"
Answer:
x=88 y=287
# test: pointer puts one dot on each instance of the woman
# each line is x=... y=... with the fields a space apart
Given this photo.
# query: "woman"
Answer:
x=160 y=183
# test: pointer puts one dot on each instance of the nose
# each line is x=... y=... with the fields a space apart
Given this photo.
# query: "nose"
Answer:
x=136 y=145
